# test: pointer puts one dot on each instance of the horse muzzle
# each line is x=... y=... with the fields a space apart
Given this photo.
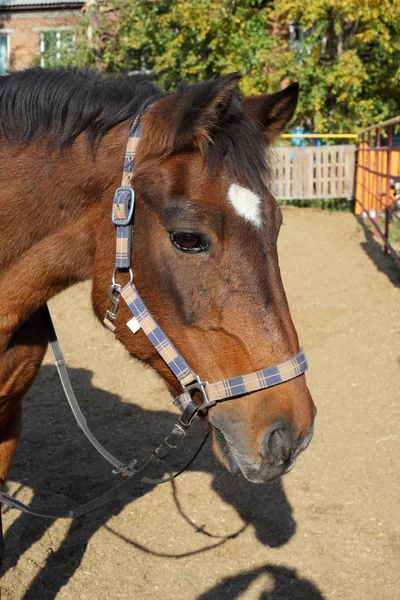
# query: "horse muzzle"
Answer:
x=275 y=454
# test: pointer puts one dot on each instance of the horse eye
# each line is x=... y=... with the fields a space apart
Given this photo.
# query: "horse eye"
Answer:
x=189 y=242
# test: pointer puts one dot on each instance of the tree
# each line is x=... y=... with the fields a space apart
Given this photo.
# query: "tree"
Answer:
x=347 y=60
x=190 y=39
x=94 y=46
x=348 y=63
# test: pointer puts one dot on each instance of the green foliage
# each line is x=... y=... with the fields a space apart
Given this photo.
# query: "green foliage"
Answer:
x=329 y=204
x=193 y=40
x=348 y=63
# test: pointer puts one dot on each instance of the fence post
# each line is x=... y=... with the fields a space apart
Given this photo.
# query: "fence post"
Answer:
x=377 y=177
x=387 y=198
x=349 y=162
x=363 y=186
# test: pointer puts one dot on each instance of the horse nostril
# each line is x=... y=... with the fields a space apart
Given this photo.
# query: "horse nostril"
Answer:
x=276 y=444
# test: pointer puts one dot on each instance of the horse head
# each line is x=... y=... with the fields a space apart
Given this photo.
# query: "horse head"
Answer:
x=205 y=262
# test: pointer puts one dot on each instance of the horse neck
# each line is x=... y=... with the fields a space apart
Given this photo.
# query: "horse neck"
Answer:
x=56 y=192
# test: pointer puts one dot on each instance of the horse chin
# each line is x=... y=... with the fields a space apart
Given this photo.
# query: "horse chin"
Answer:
x=239 y=465
x=224 y=452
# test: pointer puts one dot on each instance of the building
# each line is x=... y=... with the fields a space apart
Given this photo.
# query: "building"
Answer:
x=37 y=32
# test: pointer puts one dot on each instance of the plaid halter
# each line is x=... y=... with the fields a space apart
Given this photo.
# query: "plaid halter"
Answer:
x=122 y=217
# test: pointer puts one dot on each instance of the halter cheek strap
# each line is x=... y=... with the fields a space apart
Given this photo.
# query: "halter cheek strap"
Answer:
x=122 y=216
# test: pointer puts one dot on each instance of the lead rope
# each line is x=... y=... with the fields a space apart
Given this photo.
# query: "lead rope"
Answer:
x=166 y=448
x=123 y=199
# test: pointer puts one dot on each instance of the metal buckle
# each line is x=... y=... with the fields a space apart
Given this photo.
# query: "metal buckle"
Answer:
x=199 y=386
x=124 y=222
x=126 y=469
x=114 y=291
x=177 y=434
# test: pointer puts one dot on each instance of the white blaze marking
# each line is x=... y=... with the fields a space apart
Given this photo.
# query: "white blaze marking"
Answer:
x=246 y=203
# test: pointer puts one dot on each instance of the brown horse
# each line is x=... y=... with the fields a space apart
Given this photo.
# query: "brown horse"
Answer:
x=204 y=253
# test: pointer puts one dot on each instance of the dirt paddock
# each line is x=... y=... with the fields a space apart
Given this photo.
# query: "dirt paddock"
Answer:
x=329 y=530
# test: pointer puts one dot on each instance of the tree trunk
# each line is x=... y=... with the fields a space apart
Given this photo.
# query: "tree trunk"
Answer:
x=92 y=11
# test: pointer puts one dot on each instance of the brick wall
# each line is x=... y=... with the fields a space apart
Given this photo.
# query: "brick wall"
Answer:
x=23 y=29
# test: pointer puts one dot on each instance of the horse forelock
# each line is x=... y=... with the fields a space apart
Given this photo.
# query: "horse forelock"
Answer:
x=234 y=141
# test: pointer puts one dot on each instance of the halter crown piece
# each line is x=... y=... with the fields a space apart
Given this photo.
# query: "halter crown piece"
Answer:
x=123 y=218
x=211 y=393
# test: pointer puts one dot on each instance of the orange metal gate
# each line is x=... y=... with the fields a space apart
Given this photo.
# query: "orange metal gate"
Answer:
x=377 y=177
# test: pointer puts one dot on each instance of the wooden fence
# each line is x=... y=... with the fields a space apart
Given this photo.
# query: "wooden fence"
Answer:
x=314 y=172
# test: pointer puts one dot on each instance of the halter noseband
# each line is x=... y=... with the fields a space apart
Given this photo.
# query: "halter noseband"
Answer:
x=123 y=218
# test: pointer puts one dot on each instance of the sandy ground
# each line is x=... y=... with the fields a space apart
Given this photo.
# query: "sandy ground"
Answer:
x=329 y=530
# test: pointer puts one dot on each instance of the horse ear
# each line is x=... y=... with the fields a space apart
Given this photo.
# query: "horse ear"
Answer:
x=273 y=111
x=202 y=107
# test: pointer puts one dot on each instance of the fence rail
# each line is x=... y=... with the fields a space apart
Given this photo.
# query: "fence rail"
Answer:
x=310 y=173
x=378 y=181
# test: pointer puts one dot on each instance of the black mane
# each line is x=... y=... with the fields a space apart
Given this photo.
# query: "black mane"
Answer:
x=58 y=105
x=61 y=104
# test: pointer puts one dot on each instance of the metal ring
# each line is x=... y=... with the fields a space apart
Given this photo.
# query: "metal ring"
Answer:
x=116 y=269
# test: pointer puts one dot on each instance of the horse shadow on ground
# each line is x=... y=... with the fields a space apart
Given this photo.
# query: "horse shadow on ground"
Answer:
x=63 y=470
x=281 y=584
x=371 y=246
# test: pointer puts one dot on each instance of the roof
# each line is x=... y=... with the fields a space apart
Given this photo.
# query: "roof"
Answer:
x=38 y=3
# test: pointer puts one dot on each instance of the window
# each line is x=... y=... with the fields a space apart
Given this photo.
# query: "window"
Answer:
x=4 y=54
x=56 y=47
x=296 y=36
